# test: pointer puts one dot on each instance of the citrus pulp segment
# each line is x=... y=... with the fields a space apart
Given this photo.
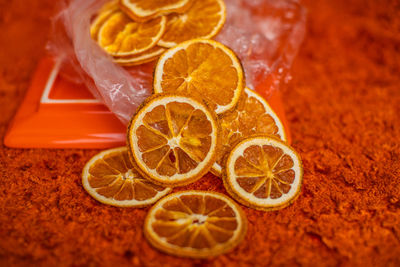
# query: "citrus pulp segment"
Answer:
x=195 y=224
x=147 y=56
x=103 y=14
x=252 y=115
x=110 y=178
x=264 y=173
x=204 y=19
x=143 y=10
x=173 y=139
x=121 y=36
x=205 y=69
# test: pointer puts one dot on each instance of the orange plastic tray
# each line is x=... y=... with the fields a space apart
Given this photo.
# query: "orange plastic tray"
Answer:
x=56 y=113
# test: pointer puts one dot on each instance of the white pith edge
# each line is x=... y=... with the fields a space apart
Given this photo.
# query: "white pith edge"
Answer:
x=138 y=155
x=144 y=13
x=112 y=201
x=140 y=57
x=269 y=111
x=263 y=202
x=154 y=39
x=182 y=46
x=216 y=29
x=150 y=219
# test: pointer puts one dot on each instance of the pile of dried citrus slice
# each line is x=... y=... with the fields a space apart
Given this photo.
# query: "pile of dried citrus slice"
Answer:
x=139 y=31
x=200 y=118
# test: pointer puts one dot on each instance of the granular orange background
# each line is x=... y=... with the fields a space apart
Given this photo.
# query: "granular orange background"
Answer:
x=343 y=106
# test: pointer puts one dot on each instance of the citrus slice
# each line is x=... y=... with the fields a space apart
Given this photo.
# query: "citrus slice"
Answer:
x=204 y=19
x=264 y=173
x=204 y=69
x=121 y=36
x=103 y=14
x=195 y=224
x=109 y=177
x=173 y=139
x=143 y=10
x=147 y=56
x=252 y=115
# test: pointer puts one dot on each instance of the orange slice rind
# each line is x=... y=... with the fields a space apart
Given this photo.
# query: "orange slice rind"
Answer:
x=195 y=224
x=252 y=115
x=121 y=36
x=147 y=56
x=143 y=10
x=204 y=19
x=173 y=139
x=263 y=173
x=110 y=178
x=205 y=69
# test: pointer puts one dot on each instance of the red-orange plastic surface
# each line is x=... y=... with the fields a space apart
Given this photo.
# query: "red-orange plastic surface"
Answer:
x=88 y=124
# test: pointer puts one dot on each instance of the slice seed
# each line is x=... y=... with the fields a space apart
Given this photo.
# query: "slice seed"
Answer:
x=143 y=10
x=121 y=36
x=173 y=139
x=147 y=56
x=195 y=224
x=110 y=177
x=204 y=19
x=264 y=173
x=252 y=115
x=204 y=69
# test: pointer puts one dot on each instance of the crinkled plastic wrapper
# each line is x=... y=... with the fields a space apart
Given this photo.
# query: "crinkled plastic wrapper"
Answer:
x=265 y=34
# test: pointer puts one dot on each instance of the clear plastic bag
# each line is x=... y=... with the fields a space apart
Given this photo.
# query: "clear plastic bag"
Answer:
x=265 y=34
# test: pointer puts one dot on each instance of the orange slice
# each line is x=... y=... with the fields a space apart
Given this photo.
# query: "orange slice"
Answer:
x=252 y=115
x=121 y=36
x=143 y=10
x=195 y=224
x=173 y=139
x=204 y=69
x=104 y=13
x=109 y=177
x=264 y=173
x=147 y=56
x=204 y=19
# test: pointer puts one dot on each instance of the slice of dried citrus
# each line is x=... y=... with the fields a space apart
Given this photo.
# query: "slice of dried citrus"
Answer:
x=121 y=36
x=143 y=10
x=204 y=19
x=102 y=15
x=264 y=173
x=195 y=224
x=147 y=56
x=173 y=139
x=202 y=68
x=110 y=178
x=252 y=115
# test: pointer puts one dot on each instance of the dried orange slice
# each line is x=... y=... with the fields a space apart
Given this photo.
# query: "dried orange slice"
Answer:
x=143 y=10
x=252 y=115
x=147 y=56
x=264 y=173
x=201 y=68
x=103 y=14
x=195 y=224
x=121 y=36
x=110 y=178
x=204 y=19
x=173 y=139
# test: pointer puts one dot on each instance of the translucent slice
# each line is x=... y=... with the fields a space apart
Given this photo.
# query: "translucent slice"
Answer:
x=110 y=178
x=204 y=19
x=104 y=13
x=173 y=139
x=143 y=10
x=252 y=115
x=121 y=36
x=204 y=69
x=195 y=224
x=264 y=173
